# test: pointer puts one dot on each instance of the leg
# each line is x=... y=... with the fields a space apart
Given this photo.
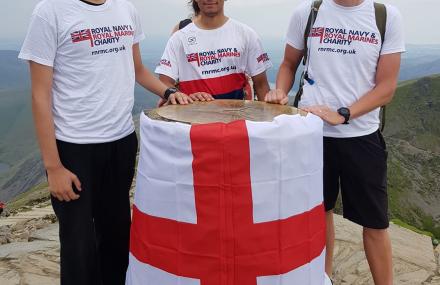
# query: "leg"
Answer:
x=330 y=243
x=331 y=192
x=113 y=215
x=365 y=200
x=77 y=230
x=377 y=247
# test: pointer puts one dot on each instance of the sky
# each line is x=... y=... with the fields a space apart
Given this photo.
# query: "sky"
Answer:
x=268 y=17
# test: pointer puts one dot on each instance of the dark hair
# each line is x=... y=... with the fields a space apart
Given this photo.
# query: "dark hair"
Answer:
x=195 y=6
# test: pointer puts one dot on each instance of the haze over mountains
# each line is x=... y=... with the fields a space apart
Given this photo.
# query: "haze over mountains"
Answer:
x=412 y=130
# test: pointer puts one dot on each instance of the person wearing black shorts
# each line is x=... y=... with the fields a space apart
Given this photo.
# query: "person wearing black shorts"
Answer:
x=351 y=52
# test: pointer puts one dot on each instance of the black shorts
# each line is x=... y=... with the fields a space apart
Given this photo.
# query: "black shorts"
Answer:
x=358 y=167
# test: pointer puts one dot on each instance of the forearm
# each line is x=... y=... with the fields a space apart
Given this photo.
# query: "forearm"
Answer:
x=286 y=77
x=380 y=96
x=150 y=82
x=386 y=83
x=262 y=90
x=45 y=130
x=261 y=86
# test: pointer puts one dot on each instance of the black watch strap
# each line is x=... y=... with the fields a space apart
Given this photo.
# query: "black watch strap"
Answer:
x=344 y=112
x=169 y=91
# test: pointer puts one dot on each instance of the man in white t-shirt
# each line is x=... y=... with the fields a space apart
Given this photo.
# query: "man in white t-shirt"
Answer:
x=84 y=59
x=349 y=75
x=210 y=56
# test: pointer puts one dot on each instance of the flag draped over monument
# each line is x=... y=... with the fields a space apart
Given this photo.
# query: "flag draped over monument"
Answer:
x=229 y=204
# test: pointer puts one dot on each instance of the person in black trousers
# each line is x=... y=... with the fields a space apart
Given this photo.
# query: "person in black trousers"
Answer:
x=84 y=59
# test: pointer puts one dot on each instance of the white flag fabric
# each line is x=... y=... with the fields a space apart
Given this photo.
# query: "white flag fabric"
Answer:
x=229 y=204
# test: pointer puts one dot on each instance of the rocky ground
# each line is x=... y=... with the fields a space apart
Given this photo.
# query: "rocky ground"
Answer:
x=415 y=261
x=29 y=252
x=29 y=248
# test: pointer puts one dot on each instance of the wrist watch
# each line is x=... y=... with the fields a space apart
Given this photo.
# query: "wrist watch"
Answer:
x=169 y=91
x=344 y=112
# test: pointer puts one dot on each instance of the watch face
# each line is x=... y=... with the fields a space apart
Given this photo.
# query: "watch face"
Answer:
x=344 y=111
x=170 y=91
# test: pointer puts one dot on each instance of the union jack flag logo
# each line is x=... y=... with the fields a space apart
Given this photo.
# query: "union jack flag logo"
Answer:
x=318 y=33
x=83 y=35
x=263 y=58
x=193 y=57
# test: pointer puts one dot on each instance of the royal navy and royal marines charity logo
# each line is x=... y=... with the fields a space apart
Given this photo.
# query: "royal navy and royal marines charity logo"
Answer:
x=343 y=36
x=103 y=35
x=213 y=56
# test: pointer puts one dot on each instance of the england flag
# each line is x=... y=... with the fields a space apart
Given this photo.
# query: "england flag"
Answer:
x=229 y=204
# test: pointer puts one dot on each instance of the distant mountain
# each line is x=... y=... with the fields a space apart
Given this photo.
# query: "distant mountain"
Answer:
x=417 y=70
x=20 y=161
x=413 y=131
x=14 y=73
x=420 y=61
x=18 y=148
x=413 y=136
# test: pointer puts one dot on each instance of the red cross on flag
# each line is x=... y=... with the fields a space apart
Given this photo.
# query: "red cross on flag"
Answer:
x=229 y=204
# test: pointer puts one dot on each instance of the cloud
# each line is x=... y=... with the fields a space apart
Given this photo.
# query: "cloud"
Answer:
x=268 y=17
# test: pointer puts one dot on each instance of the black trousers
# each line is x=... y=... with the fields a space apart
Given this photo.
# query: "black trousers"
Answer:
x=94 y=230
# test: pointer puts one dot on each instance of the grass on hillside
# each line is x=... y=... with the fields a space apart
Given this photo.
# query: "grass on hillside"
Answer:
x=412 y=228
x=413 y=136
x=35 y=196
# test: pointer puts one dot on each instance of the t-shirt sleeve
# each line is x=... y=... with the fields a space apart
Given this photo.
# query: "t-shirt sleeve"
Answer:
x=257 y=60
x=41 y=42
x=138 y=32
x=394 y=34
x=168 y=63
x=297 y=26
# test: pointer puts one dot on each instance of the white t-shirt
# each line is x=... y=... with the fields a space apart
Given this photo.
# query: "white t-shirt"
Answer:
x=90 y=50
x=344 y=51
x=214 y=61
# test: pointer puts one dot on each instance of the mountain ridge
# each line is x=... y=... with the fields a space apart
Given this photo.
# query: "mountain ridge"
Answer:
x=414 y=141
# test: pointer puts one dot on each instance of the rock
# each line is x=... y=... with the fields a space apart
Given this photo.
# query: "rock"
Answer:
x=437 y=255
x=19 y=219
x=31 y=263
x=435 y=281
x=37 y=261
x=49 y=233
x=32 y=253
x=416 y=277
x=413 y=258
x=413 y=248
x=8 y=277
x=24 y=236
x=4 y=232
x=18 y=249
